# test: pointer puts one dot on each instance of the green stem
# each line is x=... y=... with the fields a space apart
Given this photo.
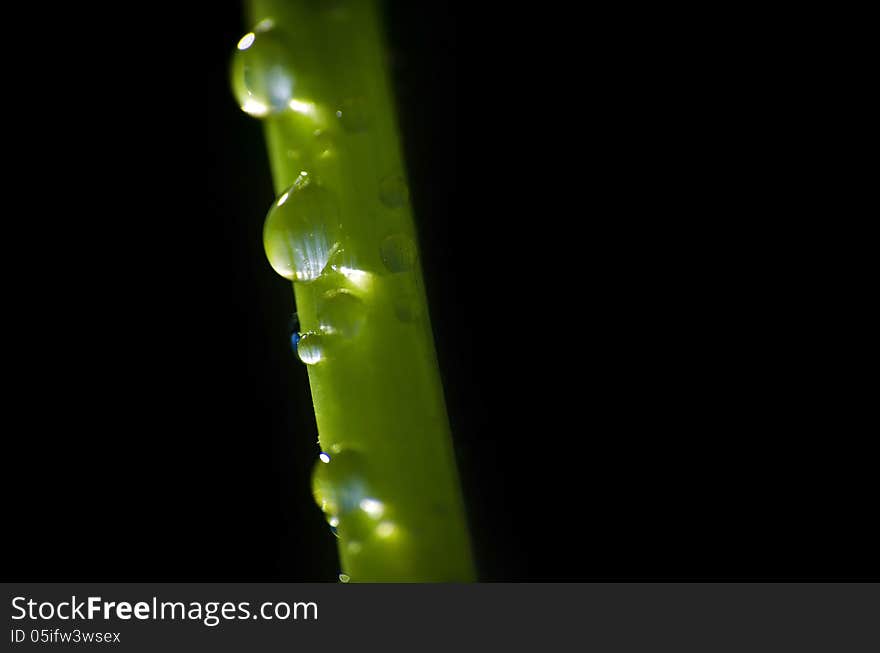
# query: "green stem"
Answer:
x=391 y=483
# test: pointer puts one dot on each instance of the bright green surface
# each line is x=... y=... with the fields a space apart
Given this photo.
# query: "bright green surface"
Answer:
x=345 y=233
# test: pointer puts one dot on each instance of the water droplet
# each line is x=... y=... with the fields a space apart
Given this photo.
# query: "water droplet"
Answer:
x=407 y=305
x=324 y=457
x=398 y=253
x=341 y=313
x=263 y=73
x=302 y=230
x=393 y=191
x=310 y=348
x=325 y=147
x=353 y=114
x=344 y=578
x=345 y=489
x=386 y=529
x=339 y=486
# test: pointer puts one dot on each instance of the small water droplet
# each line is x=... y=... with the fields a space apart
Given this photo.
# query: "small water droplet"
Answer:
x=324 y=457
x=325 y=147
x=302 y=230
x=344 y=578
x=264 y=77
x=341 y=313
x=293 y=329
x=393 y=191
x=407 y=307
x=398 y=253
x=354 y=114
x=310 y=348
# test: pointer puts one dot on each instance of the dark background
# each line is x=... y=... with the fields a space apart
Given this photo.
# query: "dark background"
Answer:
x=622 y=347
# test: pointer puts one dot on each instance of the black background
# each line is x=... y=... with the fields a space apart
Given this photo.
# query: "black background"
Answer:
x=620 y=340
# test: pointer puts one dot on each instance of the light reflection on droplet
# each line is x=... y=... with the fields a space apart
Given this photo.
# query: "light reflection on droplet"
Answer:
x=305 y=108
x=324 y=457
x=372 y=507
x=254 y=107
x=247 y=41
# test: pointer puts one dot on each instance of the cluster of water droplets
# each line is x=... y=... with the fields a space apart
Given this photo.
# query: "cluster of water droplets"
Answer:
x=304 y=240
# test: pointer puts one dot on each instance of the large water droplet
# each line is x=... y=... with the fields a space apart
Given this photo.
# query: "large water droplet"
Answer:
x=302 y=230
x=341 y=313
x=264 y=77
x=310 y=348
x=354 y=114
x=393 y=191
x=398 y=253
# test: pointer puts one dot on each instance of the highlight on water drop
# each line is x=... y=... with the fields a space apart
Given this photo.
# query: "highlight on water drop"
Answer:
x=302 y=230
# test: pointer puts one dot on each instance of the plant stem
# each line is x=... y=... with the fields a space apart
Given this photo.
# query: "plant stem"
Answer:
x=378 y=403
